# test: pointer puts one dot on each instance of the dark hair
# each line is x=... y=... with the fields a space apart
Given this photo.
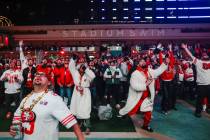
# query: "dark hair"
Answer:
x=167 y=55
x=83 y=67
x=126 y=58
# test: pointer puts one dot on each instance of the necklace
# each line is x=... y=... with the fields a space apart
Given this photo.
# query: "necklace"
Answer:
x=27 y=115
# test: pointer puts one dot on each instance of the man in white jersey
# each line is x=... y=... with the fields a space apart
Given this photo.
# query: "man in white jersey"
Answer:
x=40 y=113
x=12 y=82
x=202 y=80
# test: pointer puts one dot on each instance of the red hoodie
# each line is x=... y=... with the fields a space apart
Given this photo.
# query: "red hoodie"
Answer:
x=65 y=77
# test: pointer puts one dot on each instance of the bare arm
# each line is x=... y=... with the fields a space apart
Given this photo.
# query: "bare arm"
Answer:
x=184 y=46
x=78 y=132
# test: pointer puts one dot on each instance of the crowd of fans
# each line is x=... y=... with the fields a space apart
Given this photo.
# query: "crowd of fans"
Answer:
x=111 y=83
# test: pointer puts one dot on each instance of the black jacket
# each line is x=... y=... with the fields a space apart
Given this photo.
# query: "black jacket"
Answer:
x=25 y=74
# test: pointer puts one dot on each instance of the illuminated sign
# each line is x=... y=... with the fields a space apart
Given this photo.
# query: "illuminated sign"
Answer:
x=4 y=40
x=112 y=33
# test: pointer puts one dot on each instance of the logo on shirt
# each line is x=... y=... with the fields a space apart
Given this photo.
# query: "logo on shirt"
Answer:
x=43 y=103
x=206 y=66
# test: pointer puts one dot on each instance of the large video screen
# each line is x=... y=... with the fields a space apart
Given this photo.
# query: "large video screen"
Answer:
x=149 y=11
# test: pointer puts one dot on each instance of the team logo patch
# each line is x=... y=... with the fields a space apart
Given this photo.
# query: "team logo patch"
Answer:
x=28 y=116
x=43 y=102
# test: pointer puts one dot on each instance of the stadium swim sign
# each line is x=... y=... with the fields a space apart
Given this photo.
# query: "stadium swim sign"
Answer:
x=114 y=33
x=117 y=32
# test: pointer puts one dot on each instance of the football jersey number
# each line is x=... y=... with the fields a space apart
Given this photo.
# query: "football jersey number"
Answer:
x=29 y=129
x=28 y=119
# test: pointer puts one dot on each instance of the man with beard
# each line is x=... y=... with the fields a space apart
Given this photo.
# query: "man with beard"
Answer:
x=58 y=70
x=44 y=67
x=39 y=114
x=28 y=76
x=202 y=78
x=142 y=91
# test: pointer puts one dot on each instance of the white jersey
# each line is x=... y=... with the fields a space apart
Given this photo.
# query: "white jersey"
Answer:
x=49 y=111
x=181 y=77
x=203 y=75
x=189 y=71
x=12 y=86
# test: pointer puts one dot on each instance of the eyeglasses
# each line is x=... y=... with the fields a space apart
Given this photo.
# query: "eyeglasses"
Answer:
x=41 y=74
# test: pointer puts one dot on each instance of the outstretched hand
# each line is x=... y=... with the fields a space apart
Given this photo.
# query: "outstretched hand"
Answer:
x=170 y=46
x=159 y=46
x=184 y=46
x=21 y=43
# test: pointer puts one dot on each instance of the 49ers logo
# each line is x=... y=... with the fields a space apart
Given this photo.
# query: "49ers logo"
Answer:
x=206 y=66
x=28 y=119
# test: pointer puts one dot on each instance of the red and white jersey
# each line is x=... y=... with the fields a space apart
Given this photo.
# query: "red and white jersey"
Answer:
x=189 y=71
x=203 y=71
x=11 y=85
x=49 y=111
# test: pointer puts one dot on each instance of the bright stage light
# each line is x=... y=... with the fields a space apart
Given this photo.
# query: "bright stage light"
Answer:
x=125 y=9
x=137 y=9
x=159 y=17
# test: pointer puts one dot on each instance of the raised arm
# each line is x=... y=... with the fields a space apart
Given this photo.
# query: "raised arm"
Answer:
x=23 y=60
x=157 y=72
x=160 y=57
x=171 y=56
x=74 y=71
x=91 y=75
x=184 y=46
x=72 y=65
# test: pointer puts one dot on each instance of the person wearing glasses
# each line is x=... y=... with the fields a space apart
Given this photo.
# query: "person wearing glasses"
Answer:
x=40 y=112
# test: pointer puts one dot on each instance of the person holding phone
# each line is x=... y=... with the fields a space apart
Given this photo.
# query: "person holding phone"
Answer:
x=112 y=77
